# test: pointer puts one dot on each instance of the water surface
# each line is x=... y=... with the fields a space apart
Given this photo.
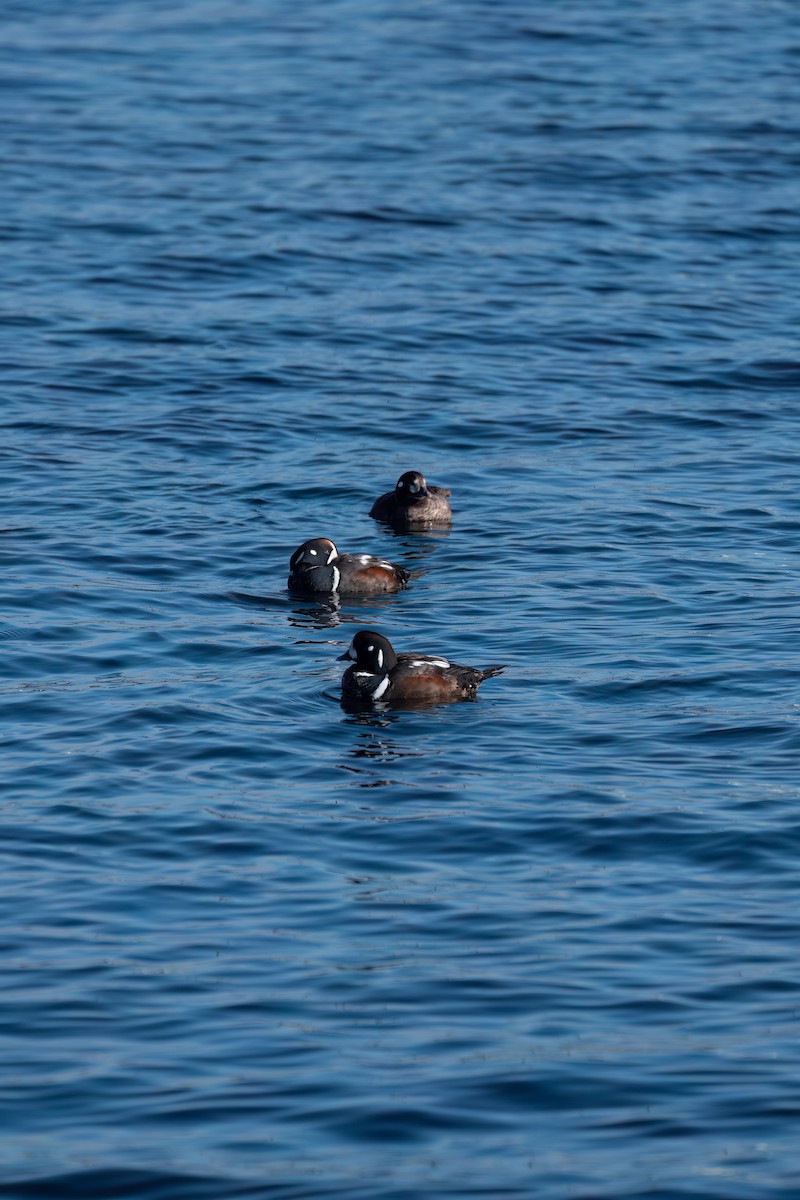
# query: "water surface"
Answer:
x=258 y=260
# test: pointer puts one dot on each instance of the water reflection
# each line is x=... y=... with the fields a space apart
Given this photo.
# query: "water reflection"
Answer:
x=327 y=612
x=418 y=544
x=324 y=613
x=308 y=612
x=374 y=748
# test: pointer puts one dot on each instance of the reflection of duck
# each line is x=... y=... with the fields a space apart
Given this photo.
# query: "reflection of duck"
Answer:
x=317 y=566
x=413 y=503
x=324 y=614
x=418 y=542
x=380 y=747
x=378 y=673
x=375 y=751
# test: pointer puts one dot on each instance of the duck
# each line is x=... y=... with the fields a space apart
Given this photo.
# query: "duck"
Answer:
x=378 y=674
x=413 y=504
x=317 y=566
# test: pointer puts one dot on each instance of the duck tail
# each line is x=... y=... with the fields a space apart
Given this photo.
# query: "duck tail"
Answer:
x=488 y=672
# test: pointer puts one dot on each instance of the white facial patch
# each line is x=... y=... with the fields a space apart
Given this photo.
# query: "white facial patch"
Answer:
x=381 y=688
x=351 y=653
x=313 y=552
x=412 y=487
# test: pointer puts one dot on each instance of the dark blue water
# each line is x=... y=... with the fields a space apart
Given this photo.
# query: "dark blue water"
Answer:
x=258 y=259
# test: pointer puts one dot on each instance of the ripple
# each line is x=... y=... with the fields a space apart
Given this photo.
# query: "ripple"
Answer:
x=264 y=260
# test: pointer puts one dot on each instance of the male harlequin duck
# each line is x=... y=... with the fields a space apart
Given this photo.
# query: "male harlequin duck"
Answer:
x=378 y=673
x=317 y=566
x=413 y=503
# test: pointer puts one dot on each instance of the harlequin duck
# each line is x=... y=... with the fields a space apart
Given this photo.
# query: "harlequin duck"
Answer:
x=317 y=566
x=413 y=503
x=378 y=673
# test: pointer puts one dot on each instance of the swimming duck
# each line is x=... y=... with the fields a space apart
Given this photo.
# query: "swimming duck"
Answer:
x=413 y=503
x=317 y=566
x=378 y=673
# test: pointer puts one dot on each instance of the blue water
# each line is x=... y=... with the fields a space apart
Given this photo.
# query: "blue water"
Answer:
x=258 y=259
